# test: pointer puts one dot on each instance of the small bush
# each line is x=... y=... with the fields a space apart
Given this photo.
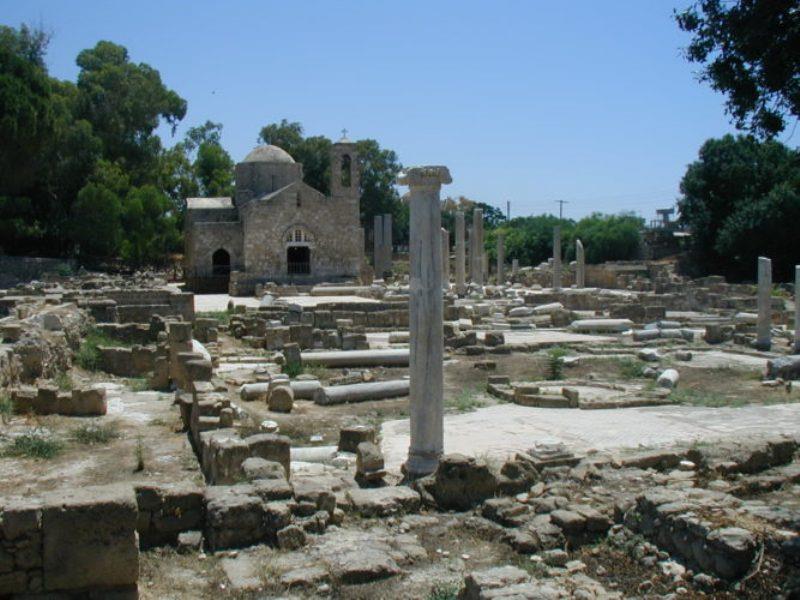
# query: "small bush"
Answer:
x=555 y=363
x=630 y=368
x=138 y=384
x=292 y=369
x=64 y=270
x=95 y=433
x=6 y=408
x=34 y=444
x=466 y=400
x=223 y=316
x=444 y=591
x=88 y=355
x=64 y=381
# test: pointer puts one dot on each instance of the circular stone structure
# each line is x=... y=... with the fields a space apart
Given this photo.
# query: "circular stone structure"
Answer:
x=269 y=154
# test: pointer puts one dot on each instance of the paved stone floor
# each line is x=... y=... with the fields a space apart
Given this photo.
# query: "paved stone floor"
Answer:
x=498 y=431
x=215 y=302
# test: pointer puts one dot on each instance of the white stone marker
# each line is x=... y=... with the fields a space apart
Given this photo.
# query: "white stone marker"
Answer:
x=377 y=246
x=764 y=325
x=797 y=309
x=425 y=319
x=556 y=258
x=580 y=265
x=477 y=246
x=445 y=259
x=461 y=286
x=387 y=243
x=501 y=258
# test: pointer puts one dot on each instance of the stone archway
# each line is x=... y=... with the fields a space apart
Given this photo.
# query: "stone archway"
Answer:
x=221 y=269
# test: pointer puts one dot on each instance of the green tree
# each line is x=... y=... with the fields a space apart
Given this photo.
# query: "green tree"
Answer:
x=214 y=169
x=150 y=226
x=608 y=237
x=96 y=224
x=750 y=50
x=125 y=102
x=739 y=199
x=529 y=239
x=378 y=166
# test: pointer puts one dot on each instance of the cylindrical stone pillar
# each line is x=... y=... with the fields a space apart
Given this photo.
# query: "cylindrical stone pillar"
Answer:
x=580 y=265
x=461 y=286
x=514 y=266
x=445 y=259
x=387 y=243
x=501 y=258
x=764 y=326
x=425 y=319
x=557 y=258
x=377 y=246
x=477 y=254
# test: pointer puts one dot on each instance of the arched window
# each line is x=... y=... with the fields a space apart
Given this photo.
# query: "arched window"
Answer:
x=346 y=174
x=298 y=235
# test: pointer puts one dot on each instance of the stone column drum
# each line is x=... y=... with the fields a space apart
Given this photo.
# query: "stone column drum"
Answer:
x=501 y=258
x=764 y=325
x=461 y=286
x=387 y=243
x=425 y=319
x=580 y=265
x=556 y=258
x=477 y=248
x=445 y=259
x=377 y=246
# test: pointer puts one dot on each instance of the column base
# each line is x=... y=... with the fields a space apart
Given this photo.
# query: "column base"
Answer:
x=420 y=464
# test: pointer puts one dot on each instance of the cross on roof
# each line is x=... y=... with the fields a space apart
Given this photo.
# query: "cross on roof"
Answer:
x=344 y=134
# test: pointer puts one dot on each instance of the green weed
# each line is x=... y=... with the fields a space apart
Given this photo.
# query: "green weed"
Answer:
x=707 y=399
x=138 y=384
x=466 y=400
x=443 y=590
x=88 y=355
x=6 y=407
x=95 y=433
x=64 y=381
x=630 y=368
x=34 y=444
x=223 y=316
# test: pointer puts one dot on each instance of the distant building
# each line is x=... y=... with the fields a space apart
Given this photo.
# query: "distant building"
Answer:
x=276 y=227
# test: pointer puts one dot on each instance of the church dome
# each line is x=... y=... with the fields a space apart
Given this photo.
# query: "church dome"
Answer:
x=268 y=154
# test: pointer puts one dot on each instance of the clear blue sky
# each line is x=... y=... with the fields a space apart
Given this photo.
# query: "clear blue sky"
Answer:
x=528 y=101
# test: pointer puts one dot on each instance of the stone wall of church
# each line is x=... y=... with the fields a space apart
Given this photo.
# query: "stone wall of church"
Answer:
x=201 y=240
x=333 y=225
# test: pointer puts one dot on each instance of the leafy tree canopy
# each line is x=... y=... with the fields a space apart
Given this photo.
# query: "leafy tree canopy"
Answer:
x=738 y=200
x=750 y=50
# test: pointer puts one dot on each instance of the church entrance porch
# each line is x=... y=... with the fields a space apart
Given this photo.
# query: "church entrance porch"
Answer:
x=298 y=260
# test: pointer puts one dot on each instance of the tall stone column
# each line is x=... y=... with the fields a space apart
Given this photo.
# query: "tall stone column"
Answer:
x=514 y=266
x=461 y=286
x=764 y=326
x=377 y=246
x=387 y=243
x=445 y=259
x=477 y=247
x=797 y=309
x=425 y=319
x=501 y=258
x=580 y=265
x=556 y=258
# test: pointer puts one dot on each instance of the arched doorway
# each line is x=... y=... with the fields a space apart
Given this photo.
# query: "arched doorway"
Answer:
x=298 y=260
x=221 y=269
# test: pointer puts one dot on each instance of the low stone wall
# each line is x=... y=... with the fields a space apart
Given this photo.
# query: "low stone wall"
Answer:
x=48 y=400
x=16 y=269
x=166 y=511
x=136 y=361
x=75 y=541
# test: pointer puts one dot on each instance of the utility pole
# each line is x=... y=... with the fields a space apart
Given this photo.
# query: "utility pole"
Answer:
x=561 y=204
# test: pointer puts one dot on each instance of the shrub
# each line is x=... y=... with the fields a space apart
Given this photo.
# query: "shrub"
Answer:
x=34 y=444
x=95 y=433
x=555 y=363
x=88 y=355
x=6 y=407
x=292 y=369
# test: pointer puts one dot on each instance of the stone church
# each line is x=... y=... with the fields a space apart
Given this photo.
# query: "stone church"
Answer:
x=276 y=227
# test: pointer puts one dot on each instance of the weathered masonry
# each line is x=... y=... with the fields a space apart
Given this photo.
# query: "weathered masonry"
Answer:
x=276 y=227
